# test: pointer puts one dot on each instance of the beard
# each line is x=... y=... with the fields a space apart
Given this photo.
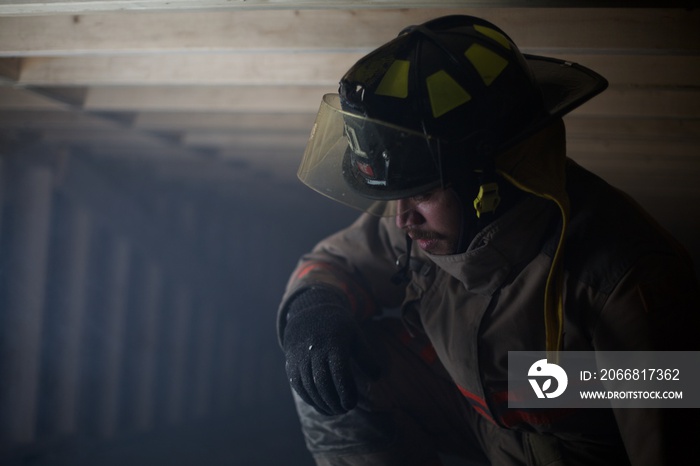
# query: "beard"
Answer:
x=433 y=242
x=418 y=234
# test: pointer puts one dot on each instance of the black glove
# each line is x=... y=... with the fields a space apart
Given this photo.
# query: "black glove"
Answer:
x=322 y=342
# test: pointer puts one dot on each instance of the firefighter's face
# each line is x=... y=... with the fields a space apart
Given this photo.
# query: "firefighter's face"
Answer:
x=432 y=220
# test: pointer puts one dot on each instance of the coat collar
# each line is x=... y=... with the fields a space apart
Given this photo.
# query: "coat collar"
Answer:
x=510 y=240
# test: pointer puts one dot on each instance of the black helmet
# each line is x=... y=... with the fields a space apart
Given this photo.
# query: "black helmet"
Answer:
x=437 y=102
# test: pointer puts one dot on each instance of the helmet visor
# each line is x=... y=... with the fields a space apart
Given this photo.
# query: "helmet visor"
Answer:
x=365 y=163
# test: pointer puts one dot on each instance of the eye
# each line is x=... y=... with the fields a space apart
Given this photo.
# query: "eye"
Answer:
x=422 y=197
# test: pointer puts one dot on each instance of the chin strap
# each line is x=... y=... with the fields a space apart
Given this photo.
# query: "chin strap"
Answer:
x=487 y=200
x=484 y=205
x=403 y=276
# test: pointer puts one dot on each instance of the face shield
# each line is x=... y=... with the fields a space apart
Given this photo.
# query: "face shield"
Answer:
x=367 y=164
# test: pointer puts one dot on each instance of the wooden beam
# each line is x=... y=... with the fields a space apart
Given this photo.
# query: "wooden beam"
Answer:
x=636 y=128
x=67 y=316
x=33 y=7
x=14 y=98
x=255 y=99
x=118 y=137
x=325 y=68
x=577 y=126
x=53 y=119
x=635 y=150
x=27 y=264
x=651 y=184
x=618 y=101
x=543 y=29
x=643 y=103
x=113 y=279
x=279 y=165
x=278 y=122
x=188 y=69
x=640 y=70
x=73 y=96
x=9 y=69
x=268 y=139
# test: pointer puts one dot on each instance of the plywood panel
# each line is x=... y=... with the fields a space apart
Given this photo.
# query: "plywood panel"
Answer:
x=644 y=103
x=17 y=7
x=537 y=29
x=201 y=69
x=255 y=99
x=636 y=128
x=286 y=122
x=12 y=98
x=324 y=68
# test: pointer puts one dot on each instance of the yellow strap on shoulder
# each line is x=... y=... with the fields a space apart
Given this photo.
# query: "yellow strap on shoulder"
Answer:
x=554 y=294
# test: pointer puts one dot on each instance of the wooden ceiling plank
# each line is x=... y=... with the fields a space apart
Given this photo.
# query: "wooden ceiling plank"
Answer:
x=199 y=31
x=51 y=119
x=10 y=69
x=264 y=140
x=651 y=184
x=640 y=70
x=577 y=127
x=615 y=101
x=189 y=69
x=545 y=29
x=644 y=102
x=255 y=99
x=15 y=98
x=34 y=7
x=113 y=137
x=658 y=129
x=302 y=69
x=615 y=154
x=287 y=122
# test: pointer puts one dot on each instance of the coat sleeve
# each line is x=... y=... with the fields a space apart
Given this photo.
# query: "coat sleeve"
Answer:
x=656 y=307
x=358 y=262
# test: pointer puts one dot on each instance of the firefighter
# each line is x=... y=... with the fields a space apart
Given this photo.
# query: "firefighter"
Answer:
x=478 y=237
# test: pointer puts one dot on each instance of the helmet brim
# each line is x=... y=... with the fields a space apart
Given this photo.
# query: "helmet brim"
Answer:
x=326 y=163
x=564 y=86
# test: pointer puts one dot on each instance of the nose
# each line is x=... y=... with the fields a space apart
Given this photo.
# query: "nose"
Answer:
x=406 y=214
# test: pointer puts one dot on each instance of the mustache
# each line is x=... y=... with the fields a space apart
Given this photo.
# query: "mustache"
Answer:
x=418 y=234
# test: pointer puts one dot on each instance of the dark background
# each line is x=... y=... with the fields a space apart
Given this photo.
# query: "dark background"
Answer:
x=138 y=318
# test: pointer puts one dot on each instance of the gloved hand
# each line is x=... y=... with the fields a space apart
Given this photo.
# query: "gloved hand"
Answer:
x=322 y=343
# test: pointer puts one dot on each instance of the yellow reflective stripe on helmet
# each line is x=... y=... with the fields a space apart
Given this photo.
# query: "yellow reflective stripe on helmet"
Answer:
x=445 y=93
x=493 y=34
x=488 y=64
x=395 y=81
